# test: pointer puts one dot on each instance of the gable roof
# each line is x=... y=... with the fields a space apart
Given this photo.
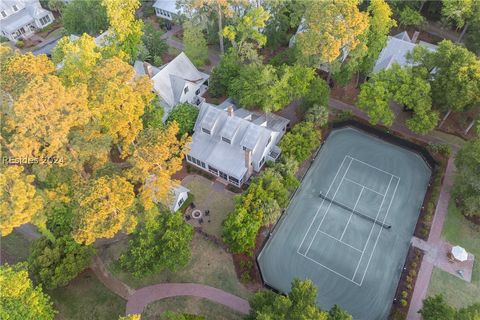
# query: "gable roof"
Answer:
x=172 y=77
x=396 y=51
x=168 y=5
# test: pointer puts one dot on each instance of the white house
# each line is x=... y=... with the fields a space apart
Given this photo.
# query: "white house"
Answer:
x=232 y=143
x=396 y=51
x=167 y=9
x=179 y=196
x=19 y=19
x=176 y=82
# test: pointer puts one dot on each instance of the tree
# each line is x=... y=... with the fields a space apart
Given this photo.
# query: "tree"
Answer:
x=300 y=303
x=436 y=308
x=471 y=312
x=456 y=79
x=103 y=209
x=330 y=29
x=406 y=86
x=227 y=70
x=467 y=179
x=336 y=313
x=318 y=115
x=410 y=18
x=55 y=264
x=19 y=299
x=195 y=44
x=19 y=200
x=301 y=141
x=461 y=13
x=317 y=94
x=56 y=5
x=184 y=115
x=281 y=21
x=152 y=40
x=153 y=116
x=161 y=243
x=81 y=16
x=245 y=35
x=240 y=229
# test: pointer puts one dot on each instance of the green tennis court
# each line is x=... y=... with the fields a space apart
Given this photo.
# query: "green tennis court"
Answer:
x=349 y=226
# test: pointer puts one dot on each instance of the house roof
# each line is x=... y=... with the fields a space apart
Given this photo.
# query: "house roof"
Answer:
x=241 y=129
x=168 y=5
x=176 y=193
x=396 y=51
x=28 y=11
x=172 y=77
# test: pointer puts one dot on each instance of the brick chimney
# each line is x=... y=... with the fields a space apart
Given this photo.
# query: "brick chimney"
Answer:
x=230 y=111
x=148 y=69
x=248 y=163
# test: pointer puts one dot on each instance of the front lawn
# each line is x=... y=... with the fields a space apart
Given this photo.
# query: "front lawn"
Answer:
x=459 y=231
x=15 y=246
x=209 y=265
x=190 y=305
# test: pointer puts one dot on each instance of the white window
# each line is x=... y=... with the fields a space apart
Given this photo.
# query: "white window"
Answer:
x=15 y=7
x=4 y=14
x=45 y=20
x=206 y=131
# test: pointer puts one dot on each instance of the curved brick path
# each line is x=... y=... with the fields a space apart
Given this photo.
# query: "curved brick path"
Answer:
x=144 y=296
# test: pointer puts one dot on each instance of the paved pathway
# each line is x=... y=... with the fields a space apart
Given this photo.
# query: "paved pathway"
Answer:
x=137 y=300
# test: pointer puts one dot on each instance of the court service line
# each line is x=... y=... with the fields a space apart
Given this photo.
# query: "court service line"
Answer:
x=328 y=208
x=371 y=229
x=339 y=240
x=338 y=274
x=321 y=205
x=381 y=229
x=351 y=214
x=372 y=166
x=361 y=185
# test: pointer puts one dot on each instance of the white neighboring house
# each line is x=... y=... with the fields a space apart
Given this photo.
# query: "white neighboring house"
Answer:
x=167 y=9
x=176 y=82
x=396 y=50
x=232 y=143
x=180 y=195
x=19 y=19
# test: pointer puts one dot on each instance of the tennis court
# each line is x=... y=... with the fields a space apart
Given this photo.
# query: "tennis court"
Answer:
x=349 y=225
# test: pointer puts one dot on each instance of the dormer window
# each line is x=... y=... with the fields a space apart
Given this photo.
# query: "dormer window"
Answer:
x=206 y=131
x=227 y=140
x=4 y=14
x=185 y=90
x=15 y=8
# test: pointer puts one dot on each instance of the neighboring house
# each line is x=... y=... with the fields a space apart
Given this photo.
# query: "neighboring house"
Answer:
x=167 y=9
x=176 y=82
x=396 y=51
x=179 y=196
x=47 y=49
x=19 y=19
x=232 y=143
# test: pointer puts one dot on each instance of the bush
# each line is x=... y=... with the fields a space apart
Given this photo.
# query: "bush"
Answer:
x=411 y=18
x=403 y=302
x=20 y=44
x=440 y=148
x=300 y=142
x=404 y=294
x=317 y=94
x=245 y=277
x=157 y=61
x=344 y=115
x=3 y=39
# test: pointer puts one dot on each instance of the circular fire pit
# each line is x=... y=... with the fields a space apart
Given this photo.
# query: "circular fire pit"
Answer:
x=196 y=214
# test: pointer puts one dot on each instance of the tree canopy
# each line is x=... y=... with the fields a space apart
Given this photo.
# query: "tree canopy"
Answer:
x=195 y=44
x=80 y=16
x=436 y=308
x=301 y=141
x=184 y=115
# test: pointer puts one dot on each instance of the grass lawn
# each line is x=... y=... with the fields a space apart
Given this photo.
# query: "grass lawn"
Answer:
x=191 y=305
x=209 y=265
x=219 y=202
x=459 y=231
x=86 y=298
x=15 y=246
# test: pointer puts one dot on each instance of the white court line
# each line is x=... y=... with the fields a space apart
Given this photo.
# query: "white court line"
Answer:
x=339 y=274
x=339 y=240
x=351 y=214
x=381 y=229
x=321 y=205
x=361 y=185
x=371 y=229
x=371 y=166
x=328 y=209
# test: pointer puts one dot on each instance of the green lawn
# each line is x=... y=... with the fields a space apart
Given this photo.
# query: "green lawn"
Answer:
x=209 y=265
x=459 y=231
x=219 y=202
x=86 y=298
x=15 y=246
x=190 y=305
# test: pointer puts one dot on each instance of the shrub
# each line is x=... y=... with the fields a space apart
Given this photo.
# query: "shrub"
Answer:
x=300 y=142
x=344 y=115
x=157 y=61
x=404 y=294
x=440 y=148
x=317 y=94
x=412 y=273
x=3 y=39
x=245 y=277
x=20 y=44
x=403 y=302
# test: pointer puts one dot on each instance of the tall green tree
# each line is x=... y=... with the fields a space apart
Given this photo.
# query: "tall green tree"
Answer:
x=185 y=115
x=223 y=74
x=467 y=179
x=19 y=298
x=317 y=94
x=461 y=12
x=195 y=44
x=152 y=40
x=162 y=242
x=337 y=313
x=301 y=141
x=80 y=16
x=55 y=264
x=436 y=308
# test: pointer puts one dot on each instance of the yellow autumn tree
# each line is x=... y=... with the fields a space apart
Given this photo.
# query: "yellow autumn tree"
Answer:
x=330 y=28
x=19 y=200
x=77 y=58
x=103 y=209
x=118 y=100
x=41 y=118
x=157 y=156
